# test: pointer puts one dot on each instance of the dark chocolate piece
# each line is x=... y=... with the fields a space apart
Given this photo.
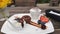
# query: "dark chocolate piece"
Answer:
x=43 y=27
x=27 y=18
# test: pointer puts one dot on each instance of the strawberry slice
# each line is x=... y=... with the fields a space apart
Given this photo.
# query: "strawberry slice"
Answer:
x=44 y=19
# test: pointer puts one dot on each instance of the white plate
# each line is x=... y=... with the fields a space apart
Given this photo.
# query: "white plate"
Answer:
x=28 y=29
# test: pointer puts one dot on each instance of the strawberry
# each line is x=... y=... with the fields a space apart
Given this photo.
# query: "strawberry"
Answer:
x=44 y=19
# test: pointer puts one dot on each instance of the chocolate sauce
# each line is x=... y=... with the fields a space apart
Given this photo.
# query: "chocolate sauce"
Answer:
x=20 y=20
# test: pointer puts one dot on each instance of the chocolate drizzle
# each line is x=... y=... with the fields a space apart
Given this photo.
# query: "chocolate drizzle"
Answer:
x=20 y=20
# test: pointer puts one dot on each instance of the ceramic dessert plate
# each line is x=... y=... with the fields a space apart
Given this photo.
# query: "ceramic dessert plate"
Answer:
x=11 y=26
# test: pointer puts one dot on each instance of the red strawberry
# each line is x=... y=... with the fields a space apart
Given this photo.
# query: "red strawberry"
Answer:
x=44 y=19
